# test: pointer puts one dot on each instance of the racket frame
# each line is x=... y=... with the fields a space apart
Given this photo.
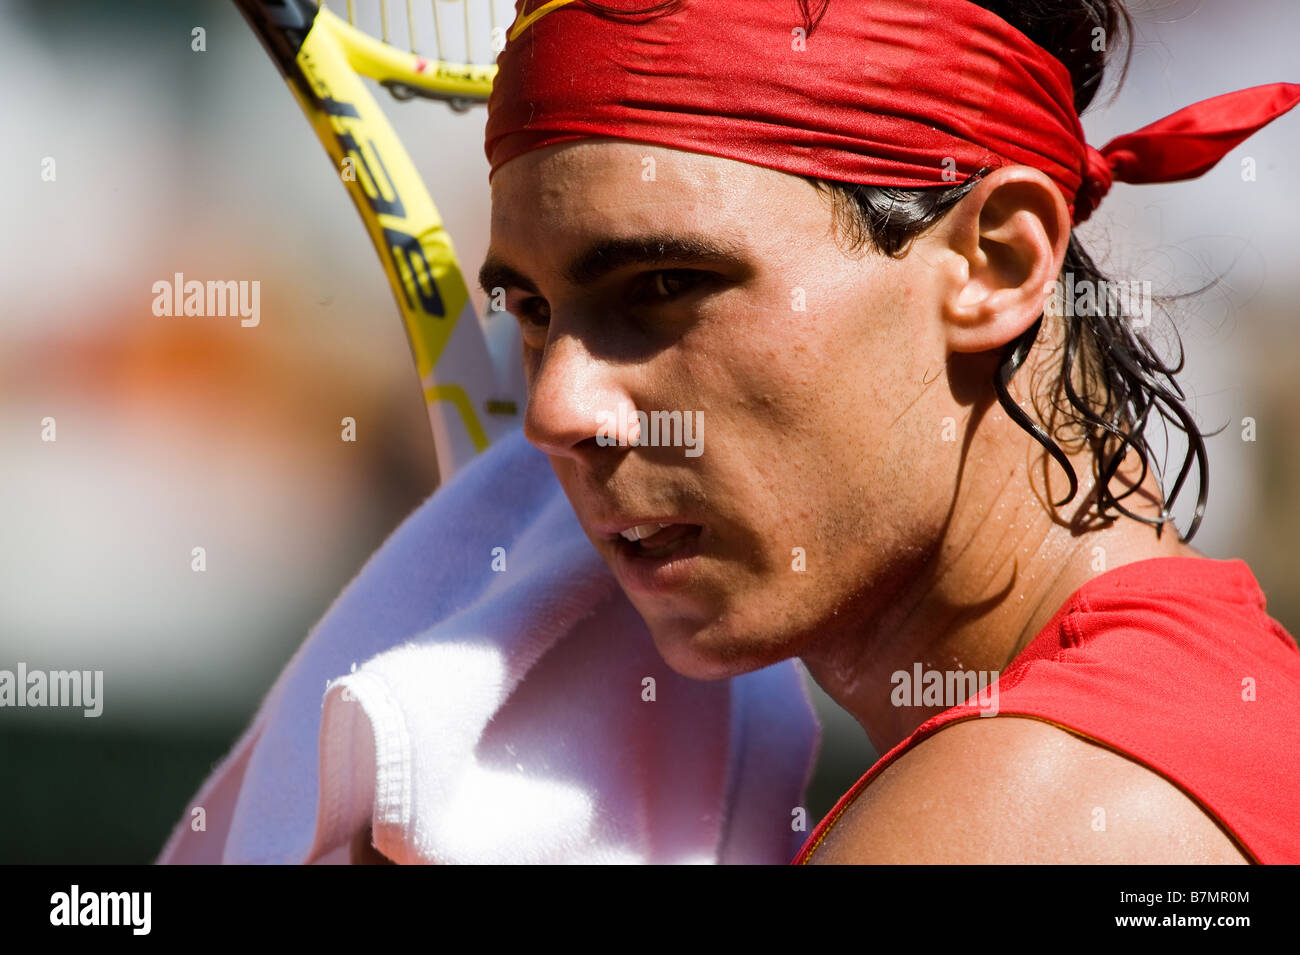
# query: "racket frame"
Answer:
x=473 y=398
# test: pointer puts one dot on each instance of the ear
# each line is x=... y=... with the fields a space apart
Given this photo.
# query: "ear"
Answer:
x=1004 y=243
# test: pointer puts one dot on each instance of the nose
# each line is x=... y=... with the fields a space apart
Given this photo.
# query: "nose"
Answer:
x=574 y=394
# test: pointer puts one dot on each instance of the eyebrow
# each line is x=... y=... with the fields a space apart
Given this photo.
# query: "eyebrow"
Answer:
x=607 y=255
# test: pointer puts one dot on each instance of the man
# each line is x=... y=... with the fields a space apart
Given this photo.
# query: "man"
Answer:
x=861 y=498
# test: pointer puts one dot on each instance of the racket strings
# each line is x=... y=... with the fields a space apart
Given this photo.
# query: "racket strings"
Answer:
x=475 y=37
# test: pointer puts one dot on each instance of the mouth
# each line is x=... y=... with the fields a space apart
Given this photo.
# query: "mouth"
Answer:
x=655 y=556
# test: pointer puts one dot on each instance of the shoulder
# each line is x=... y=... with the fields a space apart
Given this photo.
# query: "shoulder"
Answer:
x=1017 y=790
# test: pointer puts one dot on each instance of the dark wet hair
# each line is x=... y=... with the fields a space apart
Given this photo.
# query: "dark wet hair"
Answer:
x=1110 y=380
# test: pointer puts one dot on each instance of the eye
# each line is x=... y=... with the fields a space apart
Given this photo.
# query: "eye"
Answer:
x=533 y=315
x=533 y=310
x=666 y=284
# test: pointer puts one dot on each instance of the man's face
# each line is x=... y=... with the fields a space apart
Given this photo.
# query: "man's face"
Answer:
x=821 y=476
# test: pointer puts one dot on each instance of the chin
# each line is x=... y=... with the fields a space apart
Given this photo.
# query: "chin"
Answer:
x=712 y=650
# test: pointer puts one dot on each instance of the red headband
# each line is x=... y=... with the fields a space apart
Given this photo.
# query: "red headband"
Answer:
x=903 y=93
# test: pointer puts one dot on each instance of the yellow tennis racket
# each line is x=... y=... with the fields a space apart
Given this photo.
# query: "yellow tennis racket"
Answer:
x=473 y=393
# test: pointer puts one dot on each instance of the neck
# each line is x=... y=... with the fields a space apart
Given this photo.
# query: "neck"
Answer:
x=997 y=578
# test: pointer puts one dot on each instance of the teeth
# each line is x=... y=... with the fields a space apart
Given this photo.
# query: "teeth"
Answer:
x=641 y=531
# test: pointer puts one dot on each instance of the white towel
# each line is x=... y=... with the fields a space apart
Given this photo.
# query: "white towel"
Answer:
x=477 y=715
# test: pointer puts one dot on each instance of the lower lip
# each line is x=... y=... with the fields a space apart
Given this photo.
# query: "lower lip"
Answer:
x=658 y=574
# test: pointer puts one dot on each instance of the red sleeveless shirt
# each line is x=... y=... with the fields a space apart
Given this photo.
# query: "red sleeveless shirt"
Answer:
x=1174 y=663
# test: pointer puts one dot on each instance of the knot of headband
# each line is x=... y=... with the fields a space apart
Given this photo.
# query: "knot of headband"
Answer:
x=1183 y=145
x=906 y=93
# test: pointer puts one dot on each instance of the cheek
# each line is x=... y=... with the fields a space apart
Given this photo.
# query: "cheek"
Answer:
x=831 y=422
x=818 y=383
